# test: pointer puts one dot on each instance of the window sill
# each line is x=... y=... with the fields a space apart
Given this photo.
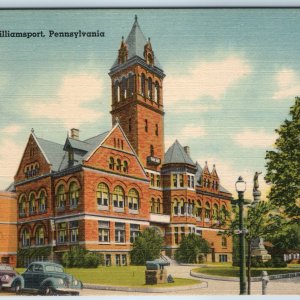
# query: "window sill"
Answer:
x=120 y=243
x=60 y=208
x=118 y=209
x=207 y=220
x=133 y=211
x=104 y=243
x=102 y=207
x=73 y=207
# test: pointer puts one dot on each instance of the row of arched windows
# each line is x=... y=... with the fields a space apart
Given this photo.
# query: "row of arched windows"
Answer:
x=118 y=165
x=207 y=183
x=33 y=204
x=194 y=208
x=39 y=236
x=124 y=88
x=72 y=194
x=150 y=90
x=31 y=170
x=117 y=198
x=156 y=206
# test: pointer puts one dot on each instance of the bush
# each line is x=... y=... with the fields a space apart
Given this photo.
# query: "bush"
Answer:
x=256 y=262
x=147 y=246
x=191 y=248
x=278 y=262
x=78 y=257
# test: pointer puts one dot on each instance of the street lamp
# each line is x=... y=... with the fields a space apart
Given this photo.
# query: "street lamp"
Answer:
x=240 y=187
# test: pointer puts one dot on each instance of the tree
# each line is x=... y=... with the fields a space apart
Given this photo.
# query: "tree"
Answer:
x=191 y=246
x=262 y=221
x=283 y=165
x=147 y=246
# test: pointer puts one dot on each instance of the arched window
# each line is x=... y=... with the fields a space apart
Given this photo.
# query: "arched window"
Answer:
x=133 y=199
x=125 y=166
x=143 y=84
x=175 y=207
x=40 y=236
x=117 y=91
x=207 y=211
x=118 y=165
x=152 y=205
x=131 y=84
x=215 y=215
x=150 y=88
x=158 y=206
x=111 y=163
x=42 y=202
x=22 y=206
x=74 y=194
x=32 y=207
x=118 y=197
x=124 y=88
x=156 y=91
x=102 y=194
x=199 y=210
x=182 y=206
x=61 y=197
x=151 y=179
x=25 y=237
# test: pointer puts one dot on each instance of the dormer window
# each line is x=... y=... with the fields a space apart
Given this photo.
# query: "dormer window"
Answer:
x=71 y=154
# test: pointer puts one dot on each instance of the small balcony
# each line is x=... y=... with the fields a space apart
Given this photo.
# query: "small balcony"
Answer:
x=159 y=218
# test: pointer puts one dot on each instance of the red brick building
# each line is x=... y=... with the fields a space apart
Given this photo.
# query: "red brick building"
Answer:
x=101 y=192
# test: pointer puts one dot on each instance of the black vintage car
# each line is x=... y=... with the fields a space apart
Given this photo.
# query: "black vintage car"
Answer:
x=49 y=278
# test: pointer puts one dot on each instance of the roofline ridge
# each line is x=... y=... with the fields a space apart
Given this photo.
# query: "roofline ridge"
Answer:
x=48 y=141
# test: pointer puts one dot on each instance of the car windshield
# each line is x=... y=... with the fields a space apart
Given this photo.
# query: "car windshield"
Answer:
x=52 y=268
x=5 y=268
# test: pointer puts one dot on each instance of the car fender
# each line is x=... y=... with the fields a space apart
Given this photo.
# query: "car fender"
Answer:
x=50 y=281
x=17 y=279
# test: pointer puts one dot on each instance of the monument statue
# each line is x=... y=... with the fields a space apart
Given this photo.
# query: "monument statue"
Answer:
x=255 y=181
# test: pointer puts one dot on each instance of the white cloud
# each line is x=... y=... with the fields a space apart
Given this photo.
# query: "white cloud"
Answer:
x=12 y=129
x=206 y=79
x=69 y=106
x=185 y=134
x=250 y=138
x=10 y=156
x=195 y=108
x=288 y=84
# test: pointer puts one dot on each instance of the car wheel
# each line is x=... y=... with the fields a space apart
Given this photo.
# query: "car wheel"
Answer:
x=49 y=291
x=17 y=287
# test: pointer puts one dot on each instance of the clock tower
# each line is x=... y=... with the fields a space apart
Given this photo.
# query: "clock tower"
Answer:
x=137 y=97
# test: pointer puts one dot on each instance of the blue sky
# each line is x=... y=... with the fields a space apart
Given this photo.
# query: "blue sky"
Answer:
x=232 y=75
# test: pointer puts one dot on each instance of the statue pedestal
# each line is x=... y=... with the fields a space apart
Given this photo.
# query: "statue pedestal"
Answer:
x=256 y=197
x=261 y=253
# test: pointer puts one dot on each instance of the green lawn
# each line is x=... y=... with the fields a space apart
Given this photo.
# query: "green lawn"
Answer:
x=234 y=271
x=133 y=276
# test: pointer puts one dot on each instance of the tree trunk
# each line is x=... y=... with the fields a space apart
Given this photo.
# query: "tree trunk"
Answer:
x=249 y=267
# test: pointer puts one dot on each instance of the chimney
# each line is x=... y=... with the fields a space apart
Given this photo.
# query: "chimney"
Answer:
x=75 y=134
x=187 y=150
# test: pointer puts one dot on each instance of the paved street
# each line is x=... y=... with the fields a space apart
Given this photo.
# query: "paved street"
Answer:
x=275 y=287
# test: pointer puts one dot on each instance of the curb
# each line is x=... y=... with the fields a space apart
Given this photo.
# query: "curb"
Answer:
x=220 y=278
x=144 y=290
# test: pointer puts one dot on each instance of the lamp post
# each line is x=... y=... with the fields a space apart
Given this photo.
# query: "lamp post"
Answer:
x=240 y=187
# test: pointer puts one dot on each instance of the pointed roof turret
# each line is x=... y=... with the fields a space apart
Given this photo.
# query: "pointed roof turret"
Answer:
x=177 y=155
x=135 y=43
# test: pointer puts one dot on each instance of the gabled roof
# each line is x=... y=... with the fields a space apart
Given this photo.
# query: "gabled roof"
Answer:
x=177 y=155
x=54 y=152
x=222 y=189
x=135 y=43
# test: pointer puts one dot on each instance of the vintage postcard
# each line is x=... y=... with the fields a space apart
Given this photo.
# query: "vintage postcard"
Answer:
x=149 y=152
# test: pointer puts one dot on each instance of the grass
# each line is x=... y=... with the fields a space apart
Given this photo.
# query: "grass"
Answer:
x=130 y=276
x=234 y=271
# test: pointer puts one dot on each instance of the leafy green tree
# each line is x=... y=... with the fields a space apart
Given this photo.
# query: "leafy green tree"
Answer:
x=147 y=246
x=283 y=165
x=286 y=239
x=191 y=246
